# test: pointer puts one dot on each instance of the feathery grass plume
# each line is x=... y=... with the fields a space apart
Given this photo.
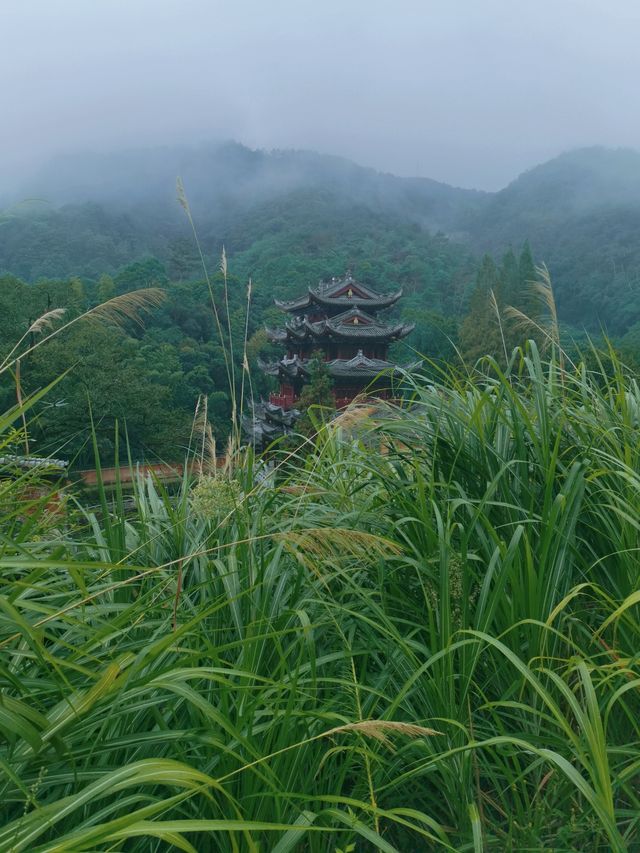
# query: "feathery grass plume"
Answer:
x=230 y=454
x=327 y=543
x=354 y=415
x=126 y=307
x=542 y=291
x=46 y=321
x=381 y=729
x=199 y=428
x=181 y=196
x=207 y=462
x=211 y=449
x=375 y=729
x=194 y=421
x=235 y=424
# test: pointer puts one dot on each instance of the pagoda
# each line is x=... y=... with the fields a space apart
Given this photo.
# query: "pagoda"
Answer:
x=337 y=320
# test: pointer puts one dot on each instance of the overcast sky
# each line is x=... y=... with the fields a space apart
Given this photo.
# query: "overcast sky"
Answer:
x=471 y=92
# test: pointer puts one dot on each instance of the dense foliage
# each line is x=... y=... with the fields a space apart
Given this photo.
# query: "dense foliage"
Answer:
x=157 y=373
x=422 y=634
x=580 y=213
x=288 y=219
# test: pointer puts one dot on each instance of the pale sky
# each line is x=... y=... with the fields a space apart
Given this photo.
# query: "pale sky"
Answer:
x=470 y=92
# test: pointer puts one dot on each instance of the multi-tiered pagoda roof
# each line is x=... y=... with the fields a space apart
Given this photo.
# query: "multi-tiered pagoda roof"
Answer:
x=338 y=319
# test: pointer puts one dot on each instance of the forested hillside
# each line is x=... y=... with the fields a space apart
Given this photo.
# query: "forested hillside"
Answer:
x=288 y=219
x=157 y=372
x=580 y=213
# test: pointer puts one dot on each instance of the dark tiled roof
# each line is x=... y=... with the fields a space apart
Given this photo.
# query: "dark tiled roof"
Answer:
x=268 y=422
x=287 y=367
x=336 y=293
x=367 y=368
x=359 y=366
x=353 y=323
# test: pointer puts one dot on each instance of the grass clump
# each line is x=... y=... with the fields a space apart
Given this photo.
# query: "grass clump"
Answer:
x=422 y=633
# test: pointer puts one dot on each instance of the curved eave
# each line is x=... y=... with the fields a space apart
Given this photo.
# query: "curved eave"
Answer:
x=283 y=369
x=327 y=329
x=294 y=304
x=364 y=368
x=276 y=335
x=369 y=333
x=384 y=300
x=270 y=368
x=376 y=301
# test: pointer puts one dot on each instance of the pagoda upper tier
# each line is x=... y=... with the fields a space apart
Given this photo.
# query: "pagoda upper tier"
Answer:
x=337 y=295
x=353 y=325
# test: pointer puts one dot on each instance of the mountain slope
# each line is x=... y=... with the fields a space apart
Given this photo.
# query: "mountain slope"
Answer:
x=228 y=177
x=579 y=211
x=581 y=215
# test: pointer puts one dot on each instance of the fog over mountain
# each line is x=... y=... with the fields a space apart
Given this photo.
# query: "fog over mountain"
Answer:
x=466 y=93
x=226 y=179
x=223 y=178
x=579 y=211
x=488 y=123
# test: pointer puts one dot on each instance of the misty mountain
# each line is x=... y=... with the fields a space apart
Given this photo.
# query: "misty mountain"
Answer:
x=577 y=184
x=225 y=179
x=580 y=212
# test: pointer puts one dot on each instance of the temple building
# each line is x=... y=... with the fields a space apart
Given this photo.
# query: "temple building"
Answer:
x=337 y=320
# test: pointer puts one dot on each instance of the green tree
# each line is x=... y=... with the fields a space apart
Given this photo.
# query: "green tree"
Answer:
x=147 y=273
x=435 y=337
x=316 y=400
x=510 y=279
x=183 y=259
x=527 y=274
x=78 y=294
x=106 y=288
x=480 y=332
x=105 y=382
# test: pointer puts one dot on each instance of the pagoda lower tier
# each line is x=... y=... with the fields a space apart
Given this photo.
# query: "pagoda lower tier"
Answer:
x=269 y=421
x=350 y=376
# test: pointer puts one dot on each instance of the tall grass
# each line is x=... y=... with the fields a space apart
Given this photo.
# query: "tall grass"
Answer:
x=422 y=634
